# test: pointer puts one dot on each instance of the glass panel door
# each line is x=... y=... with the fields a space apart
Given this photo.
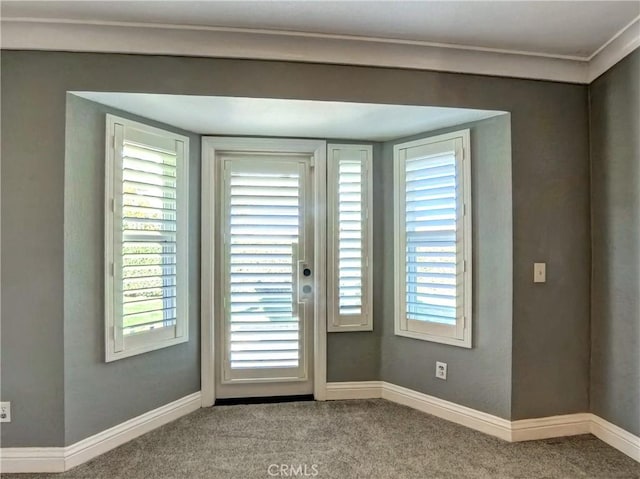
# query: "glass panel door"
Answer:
x=266 y=276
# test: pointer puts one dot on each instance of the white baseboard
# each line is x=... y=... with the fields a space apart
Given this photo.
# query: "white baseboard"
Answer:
x=93 y=446
x=616 y=437
x=474 y=419
x=32 y=459
x=512 y=431
x=354 y=390
x=552 y=426
x=60 y=459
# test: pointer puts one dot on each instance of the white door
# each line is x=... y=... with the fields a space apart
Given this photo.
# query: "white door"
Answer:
x=264 y=325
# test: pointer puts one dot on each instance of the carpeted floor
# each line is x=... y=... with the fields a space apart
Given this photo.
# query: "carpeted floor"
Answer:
x=343 y=440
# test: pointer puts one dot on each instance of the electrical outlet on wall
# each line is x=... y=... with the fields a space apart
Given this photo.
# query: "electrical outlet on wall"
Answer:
x=5 y=411
x=441 y=370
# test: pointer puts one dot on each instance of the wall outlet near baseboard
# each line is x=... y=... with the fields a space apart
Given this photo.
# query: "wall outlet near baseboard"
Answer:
x=5 y=411
x=441 y=370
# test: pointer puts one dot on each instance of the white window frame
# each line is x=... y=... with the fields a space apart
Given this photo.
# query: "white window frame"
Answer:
x=461 y=333
x=354 y=322
x=117 y=345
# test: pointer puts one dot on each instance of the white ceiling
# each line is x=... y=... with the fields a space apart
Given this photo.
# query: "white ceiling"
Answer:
x=558 y=28
x=567 y=41
x=291 y=118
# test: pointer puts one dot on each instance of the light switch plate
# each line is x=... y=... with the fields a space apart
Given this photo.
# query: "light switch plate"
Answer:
x=539 y=272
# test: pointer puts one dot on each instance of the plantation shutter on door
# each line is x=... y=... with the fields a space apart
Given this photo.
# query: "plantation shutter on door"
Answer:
x=264 y=241
x=350 y=238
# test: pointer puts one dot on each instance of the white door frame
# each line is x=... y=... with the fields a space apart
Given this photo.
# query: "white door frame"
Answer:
x=317 y=150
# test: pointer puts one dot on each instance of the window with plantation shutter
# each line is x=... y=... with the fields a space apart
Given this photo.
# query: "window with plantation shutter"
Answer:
x=145 y=244
x=350 y=237
x=433 y=239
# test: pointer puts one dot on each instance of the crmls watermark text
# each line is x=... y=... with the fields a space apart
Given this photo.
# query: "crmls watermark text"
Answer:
x=292 y=470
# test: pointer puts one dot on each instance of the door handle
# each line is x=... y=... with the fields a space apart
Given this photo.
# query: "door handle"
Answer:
x=295 y=296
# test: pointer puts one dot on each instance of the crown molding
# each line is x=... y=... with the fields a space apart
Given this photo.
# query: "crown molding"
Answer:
x=260 y=44
x=614 y=50
x=180 y=40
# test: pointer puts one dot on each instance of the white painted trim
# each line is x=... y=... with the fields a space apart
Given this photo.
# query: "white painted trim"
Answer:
x=263 y=44
x=320 y=264
x=316 y=148
x=474 y=419
x=207 y=300
x=614 y=50
x=478 y=420
x=616 y=437
x=93 y=446
x=59 y=459
x=553 y=426
x=512 y=431
x=32 y=459
x=184 y=40
x=285 y=33
x=354 y=390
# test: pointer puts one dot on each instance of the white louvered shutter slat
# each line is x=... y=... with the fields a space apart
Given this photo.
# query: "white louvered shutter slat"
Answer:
x=350 y=237
x=149 y=242
x=431 y=236
x=263 y=231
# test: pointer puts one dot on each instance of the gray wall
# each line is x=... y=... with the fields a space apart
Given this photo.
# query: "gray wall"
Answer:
x=615 y=186
x=99 y=395
x=550 y=160
x=479 y=377
x=32 y=176
x=551 y=223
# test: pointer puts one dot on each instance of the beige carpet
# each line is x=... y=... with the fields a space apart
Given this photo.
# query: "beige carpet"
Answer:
x=343 y=440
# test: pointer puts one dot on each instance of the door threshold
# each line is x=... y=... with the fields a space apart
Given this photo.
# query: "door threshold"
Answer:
x=263 y=400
